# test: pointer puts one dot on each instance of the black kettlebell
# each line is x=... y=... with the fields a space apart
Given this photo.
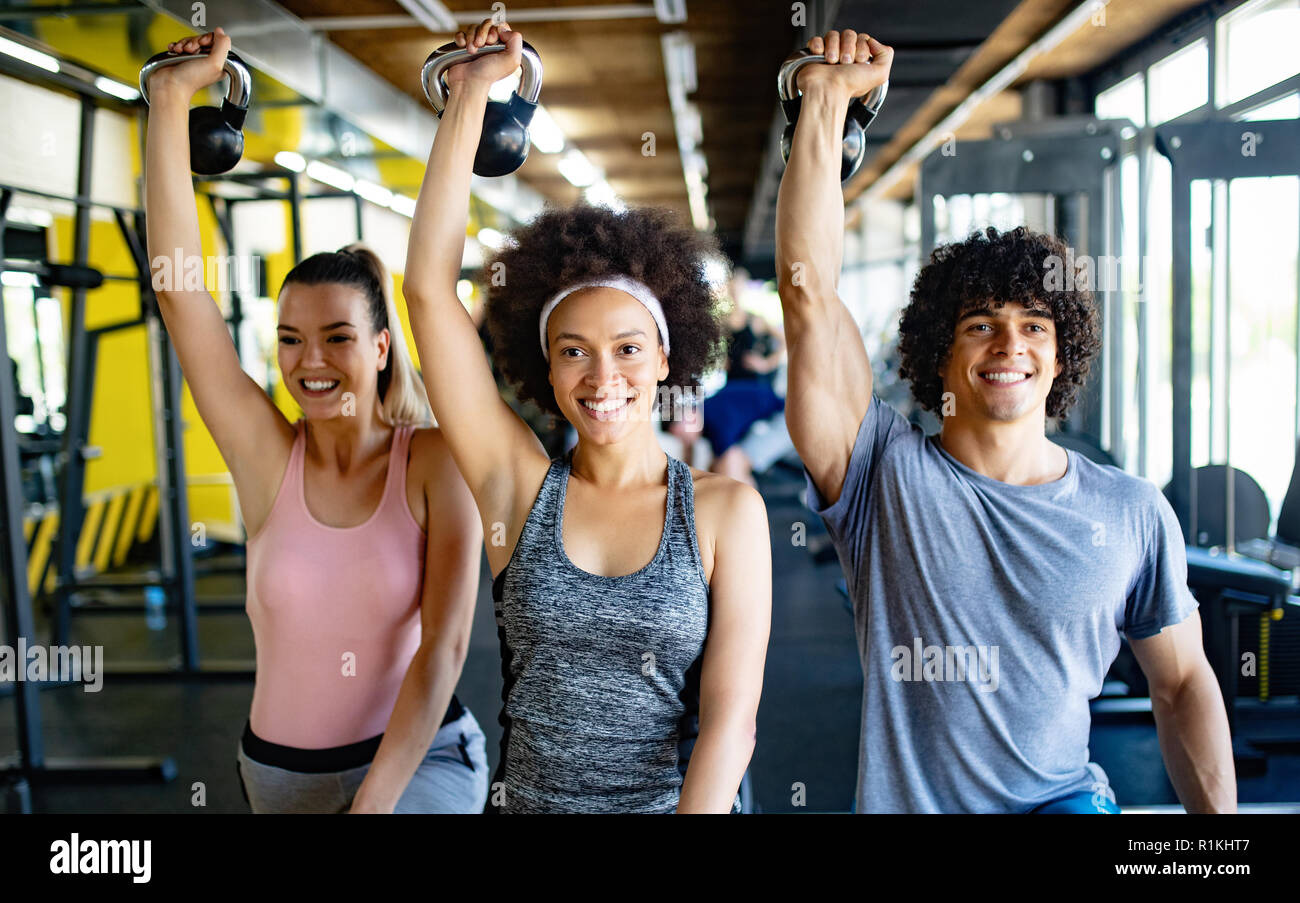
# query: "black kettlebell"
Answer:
x=216 y=136
x=504 y=145
x=861 y=112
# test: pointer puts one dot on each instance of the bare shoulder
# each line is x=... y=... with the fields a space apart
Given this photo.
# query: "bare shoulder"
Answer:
x=727 y=514
x=430 y=456
x=721 y=502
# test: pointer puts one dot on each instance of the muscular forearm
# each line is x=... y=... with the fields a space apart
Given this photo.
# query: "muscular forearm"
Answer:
x=421 y=703
x=810 y=204
x=718 y=764
x=1196 y=744
x=437 y=240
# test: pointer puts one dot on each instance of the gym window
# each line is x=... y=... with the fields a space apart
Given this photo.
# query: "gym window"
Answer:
x=1180 y=82
x=1256 y=48
x=1126 y=100
x=1287 y=107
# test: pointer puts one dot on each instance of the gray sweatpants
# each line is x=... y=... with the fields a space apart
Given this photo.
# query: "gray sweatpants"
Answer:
x=443 y=782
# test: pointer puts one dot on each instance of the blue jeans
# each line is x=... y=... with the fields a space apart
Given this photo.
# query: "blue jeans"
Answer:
x=1100 y=801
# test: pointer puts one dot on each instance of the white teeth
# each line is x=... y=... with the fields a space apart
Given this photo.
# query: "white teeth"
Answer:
x=320 y=385
x=1005 y=377
x=604 y=407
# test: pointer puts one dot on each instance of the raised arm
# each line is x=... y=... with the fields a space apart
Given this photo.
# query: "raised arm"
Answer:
x=829 y=375
x=235 y=409
x=487 y=439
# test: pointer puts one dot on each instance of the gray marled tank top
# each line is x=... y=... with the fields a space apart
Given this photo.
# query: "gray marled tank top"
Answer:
x=601 y=673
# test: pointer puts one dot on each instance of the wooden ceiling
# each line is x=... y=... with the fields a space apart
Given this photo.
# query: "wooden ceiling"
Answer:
x=605 y=86
x=1112 y=29
x=605 y=82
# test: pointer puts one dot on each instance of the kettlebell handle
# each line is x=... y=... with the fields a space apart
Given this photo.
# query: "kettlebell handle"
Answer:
x=241 y=82
x=787 y=81
x=435 y=89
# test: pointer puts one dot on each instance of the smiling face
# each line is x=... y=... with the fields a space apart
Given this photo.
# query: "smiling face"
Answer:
x=606 y=363
x=327 y=347
x=1002 y=362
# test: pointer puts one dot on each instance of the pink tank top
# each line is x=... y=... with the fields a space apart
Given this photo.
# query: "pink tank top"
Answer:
x=335 y=611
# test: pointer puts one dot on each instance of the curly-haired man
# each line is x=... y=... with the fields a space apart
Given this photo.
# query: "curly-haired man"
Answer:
x=992 y=571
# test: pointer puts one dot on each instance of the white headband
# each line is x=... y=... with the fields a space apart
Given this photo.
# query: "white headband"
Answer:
x=637 y=290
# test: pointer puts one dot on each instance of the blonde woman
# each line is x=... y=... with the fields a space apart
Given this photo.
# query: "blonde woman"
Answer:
x=363 y=546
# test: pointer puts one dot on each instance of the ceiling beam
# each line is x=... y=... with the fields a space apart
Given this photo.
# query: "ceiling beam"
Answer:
x=71 y=9
x=474 y=16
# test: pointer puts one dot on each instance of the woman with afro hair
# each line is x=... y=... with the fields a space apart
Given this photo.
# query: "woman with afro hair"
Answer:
x=632 y=593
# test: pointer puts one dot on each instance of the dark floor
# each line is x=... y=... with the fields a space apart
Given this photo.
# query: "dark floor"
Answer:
x=808 y=721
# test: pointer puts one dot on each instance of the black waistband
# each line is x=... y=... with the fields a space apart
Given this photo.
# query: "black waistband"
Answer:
x=324 y=761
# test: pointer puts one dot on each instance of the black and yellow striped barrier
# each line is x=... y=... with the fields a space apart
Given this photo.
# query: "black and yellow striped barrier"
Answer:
x=115 y=521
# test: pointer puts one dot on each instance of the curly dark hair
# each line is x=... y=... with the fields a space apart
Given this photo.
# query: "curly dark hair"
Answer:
x=993 y=267
x=563 y=246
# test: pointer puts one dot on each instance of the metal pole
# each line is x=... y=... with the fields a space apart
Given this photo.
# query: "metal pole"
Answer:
x=1229 y=475
x=80 y=387
x=19 y=625
x=295 y=216
x=1092 y=230
x=173 y=505
x=1184 y=482
x=1115 y=308
x=1145 y=149
x=225 y=222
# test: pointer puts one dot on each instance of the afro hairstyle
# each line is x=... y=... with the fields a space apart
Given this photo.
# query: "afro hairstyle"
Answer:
x=564 y=246
x=998 y=268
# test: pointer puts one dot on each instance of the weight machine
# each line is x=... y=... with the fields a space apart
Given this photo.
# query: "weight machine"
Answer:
x=31 y=764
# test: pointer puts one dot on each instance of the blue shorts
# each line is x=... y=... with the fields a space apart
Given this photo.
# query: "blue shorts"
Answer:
x=732 y=410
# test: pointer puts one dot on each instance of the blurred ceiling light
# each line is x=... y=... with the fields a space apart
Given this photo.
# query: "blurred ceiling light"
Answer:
x=575 y=167
x=670 y=12
x=403 y=205
x=545 y=134
x=375 y=194
x=330 y=175
x=682 y=78
x=116 y=88
x=491 y=238
x=603 y=194
x=291 y=160
x=29 y=55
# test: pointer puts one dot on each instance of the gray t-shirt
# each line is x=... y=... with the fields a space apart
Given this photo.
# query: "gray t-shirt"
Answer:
x=987 y=615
